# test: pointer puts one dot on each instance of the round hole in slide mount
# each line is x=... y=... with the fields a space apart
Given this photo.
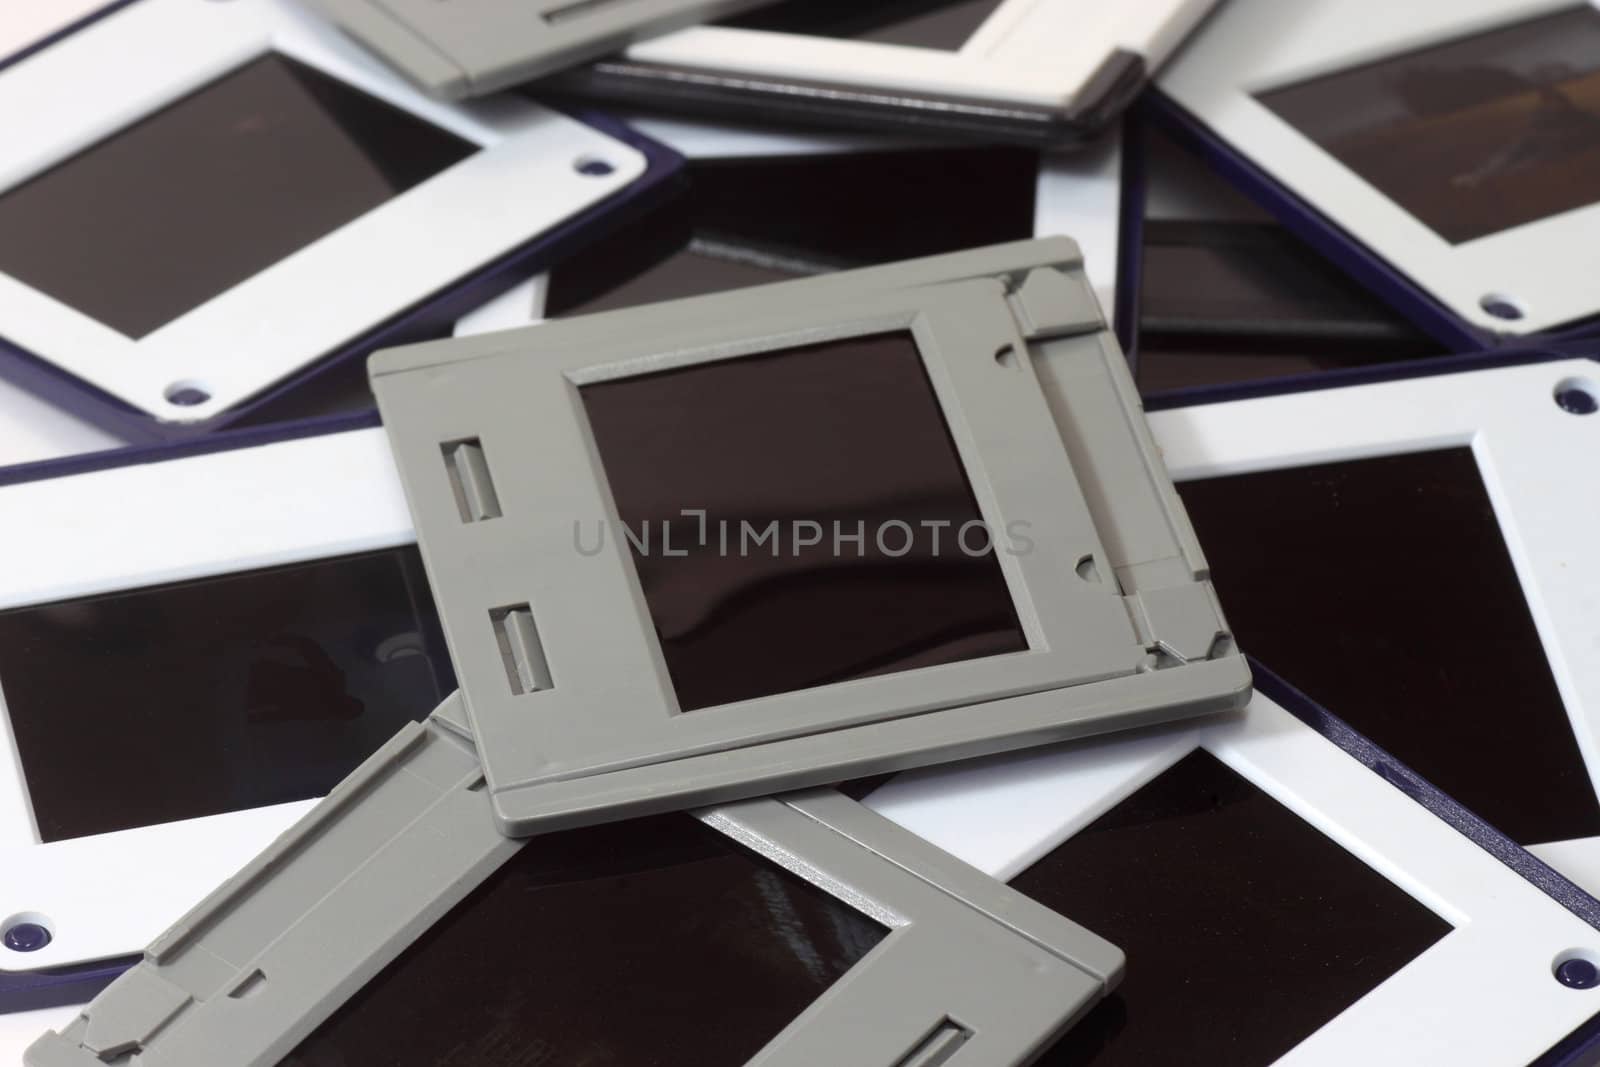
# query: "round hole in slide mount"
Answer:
x=1577 y=969
x=26 y=931
x=1006 y=355
x=1577 y=396
x=593 y=166
x=1501 y=306
x=186 y=394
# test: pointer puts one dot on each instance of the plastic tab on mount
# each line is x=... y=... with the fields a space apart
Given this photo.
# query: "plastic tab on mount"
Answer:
x=254 y=974
x=798 y=533
x=467 y=48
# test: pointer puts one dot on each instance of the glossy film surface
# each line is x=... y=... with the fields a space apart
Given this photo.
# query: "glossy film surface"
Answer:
x=1409 y=623
x=1471 y=136
x=231 y=692
x=839 y=210
x=839 y=451
x=203 y=194
x=1246 y=929
x=651 y=943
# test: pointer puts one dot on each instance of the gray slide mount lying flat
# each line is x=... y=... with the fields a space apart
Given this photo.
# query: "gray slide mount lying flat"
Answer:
x=465 y=48
x=968 y=963
x=562 y=670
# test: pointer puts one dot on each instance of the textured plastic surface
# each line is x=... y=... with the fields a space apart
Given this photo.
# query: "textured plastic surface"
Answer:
x=1112 y=594
x=255 y=967
x=468 y=48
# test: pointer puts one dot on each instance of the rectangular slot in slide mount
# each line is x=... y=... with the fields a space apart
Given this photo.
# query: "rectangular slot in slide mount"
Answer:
x=470 y=481
x=879 y=932
x=939 y=1046
x=576 y=10
x=844 y=537
x=249 y=985
x=518 y=638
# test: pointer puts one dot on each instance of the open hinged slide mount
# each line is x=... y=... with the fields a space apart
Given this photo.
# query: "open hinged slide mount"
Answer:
x=1499 y=955
x=175 y=324
x=253 y=970
x=1037 y=71
x=278 y=498
x=1332 y=114
x=588 y=702
x=314 y=498
x=967 y=965
x=467 y=48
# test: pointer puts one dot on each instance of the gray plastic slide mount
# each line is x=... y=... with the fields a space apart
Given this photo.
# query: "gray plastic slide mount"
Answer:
x=561 y=669
x=968 y=964
x=465 y=48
